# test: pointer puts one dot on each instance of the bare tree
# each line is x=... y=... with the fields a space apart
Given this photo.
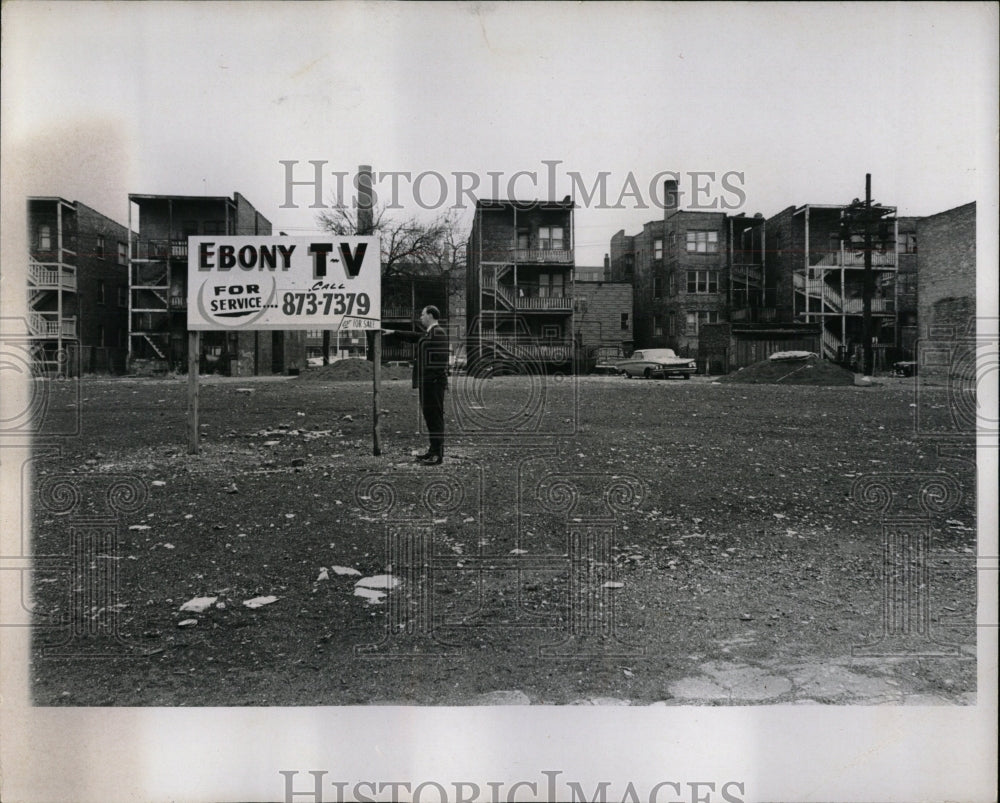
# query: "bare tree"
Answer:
x=409 y=247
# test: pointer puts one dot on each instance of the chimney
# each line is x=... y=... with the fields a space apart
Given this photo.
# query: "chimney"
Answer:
x=607 y=268
x=670 y=195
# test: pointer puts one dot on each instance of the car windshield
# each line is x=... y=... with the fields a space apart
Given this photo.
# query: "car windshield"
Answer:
x=658 y=354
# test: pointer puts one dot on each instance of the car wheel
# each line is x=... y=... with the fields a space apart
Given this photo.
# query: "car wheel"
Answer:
x=685 y=376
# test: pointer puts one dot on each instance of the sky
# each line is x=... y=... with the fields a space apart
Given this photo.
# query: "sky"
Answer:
x=795 y=102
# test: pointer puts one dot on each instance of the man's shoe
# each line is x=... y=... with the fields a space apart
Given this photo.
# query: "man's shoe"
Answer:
x=433 y=460
x=425 y=456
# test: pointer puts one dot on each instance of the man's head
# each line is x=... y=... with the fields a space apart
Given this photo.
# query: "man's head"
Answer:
x=429 y=316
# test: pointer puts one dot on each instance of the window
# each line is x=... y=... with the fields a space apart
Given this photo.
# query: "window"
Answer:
x=671 y=324
x=122 y=296
x=657 y=287
x=100 y=335
x=629 y=264
x=550 y=238
x=523 y=239
x=213 y=227
x=624 y=321
x=657 y=325
x=101 y=293
x=703 y=281
x=702 y=242
x=658 y=248
x=122 y=254
x=45 y=237
x=550 y=285
x=99 y=248
x=695 y=320
x=907 y=243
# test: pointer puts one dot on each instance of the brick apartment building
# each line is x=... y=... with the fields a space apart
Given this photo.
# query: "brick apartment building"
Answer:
x=77 y=288
x=520 y=283
x=679 y=269
x=907 y=307
x=158 y=265
x=947 y=292
x=638 y=259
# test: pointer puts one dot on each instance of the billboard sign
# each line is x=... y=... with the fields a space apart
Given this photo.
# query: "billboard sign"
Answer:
x=322 y=282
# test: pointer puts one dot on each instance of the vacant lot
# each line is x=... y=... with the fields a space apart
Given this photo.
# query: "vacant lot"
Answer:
x=591 y=541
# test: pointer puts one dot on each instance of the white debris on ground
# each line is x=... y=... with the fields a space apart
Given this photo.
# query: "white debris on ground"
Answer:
x=344 y=570
x=199 y=604
x=793 y=355
x=374 y=596
x=375 y=588
x=259 y=602
x=324 y=574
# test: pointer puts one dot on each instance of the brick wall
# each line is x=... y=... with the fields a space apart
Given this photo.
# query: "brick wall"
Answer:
x=785 y=246
x=621 y=245
x=94 y=268
x=907 y=289
x=599 y=308
x=645 y=304
x=946 y=278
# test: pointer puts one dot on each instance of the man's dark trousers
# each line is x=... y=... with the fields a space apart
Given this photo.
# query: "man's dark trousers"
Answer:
x=432 y=405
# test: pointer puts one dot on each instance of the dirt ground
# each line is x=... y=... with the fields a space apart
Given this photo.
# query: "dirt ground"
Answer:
x=587 y=541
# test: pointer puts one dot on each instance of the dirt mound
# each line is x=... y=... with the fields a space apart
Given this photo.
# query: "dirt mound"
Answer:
x=808 y=371
x=352 y=370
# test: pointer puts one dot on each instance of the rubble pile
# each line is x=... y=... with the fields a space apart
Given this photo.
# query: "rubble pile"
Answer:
x=810 y=370
x=352 y=370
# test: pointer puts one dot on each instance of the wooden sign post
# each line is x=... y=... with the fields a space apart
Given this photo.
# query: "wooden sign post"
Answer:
x=194 y=358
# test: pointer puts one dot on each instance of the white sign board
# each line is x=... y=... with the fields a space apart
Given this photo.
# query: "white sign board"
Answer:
x=322 y=282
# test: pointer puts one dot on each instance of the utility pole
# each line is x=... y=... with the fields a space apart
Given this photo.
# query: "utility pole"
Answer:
x=868 y=289
x=860 y=218
x=365 y=225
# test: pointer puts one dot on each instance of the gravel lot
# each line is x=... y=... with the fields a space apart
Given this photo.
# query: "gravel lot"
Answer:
x=588 y=541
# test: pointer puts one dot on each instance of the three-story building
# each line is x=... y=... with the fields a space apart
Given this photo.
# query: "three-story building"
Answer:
x=77 y=287
x=519 y=283
x=158 y=282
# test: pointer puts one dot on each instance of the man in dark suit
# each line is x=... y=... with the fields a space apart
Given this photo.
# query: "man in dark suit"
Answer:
x=430 y=377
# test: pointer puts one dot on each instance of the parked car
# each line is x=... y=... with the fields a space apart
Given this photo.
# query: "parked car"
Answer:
x=651 y=363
